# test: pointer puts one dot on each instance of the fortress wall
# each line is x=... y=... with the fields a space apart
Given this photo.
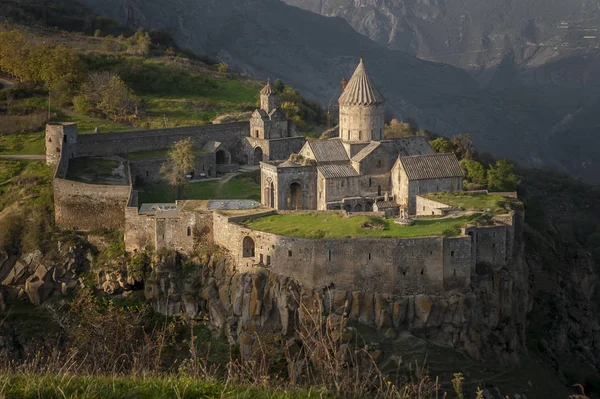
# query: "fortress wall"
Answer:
x=139 y=231
x=399 y=266
x=116 y=143
x=458 y=262
x=88 y=207
x=427 y=207
x=490 y=244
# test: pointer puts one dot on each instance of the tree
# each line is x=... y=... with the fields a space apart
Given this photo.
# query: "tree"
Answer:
x=463 y=146
x=106 y=94
x=223 y=67
x=140 y=43
x=475 y=171
x=502 y=177
x=396 y=129
x=441 y=144
x=182 y=160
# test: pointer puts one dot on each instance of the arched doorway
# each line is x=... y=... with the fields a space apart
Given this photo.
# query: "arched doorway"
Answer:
x=358 y=208
x=295 y=196
x=272 y=196
x=258 y=155
x=248 y=247
x=221 y=157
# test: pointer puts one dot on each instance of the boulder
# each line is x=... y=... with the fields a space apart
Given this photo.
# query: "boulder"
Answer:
x=38 y=290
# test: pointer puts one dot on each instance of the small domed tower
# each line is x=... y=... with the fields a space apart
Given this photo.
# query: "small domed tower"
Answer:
x=268 y=98
x=60 y=138
x=361 y=109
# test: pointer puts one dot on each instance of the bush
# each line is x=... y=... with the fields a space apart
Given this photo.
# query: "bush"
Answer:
x=502 y=177
x=97 y=33
x=442 y=144
x=105 y=94
x=223 y=67
x=452 y=231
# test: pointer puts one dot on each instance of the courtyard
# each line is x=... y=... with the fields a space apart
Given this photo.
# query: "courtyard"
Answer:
x=335 y=225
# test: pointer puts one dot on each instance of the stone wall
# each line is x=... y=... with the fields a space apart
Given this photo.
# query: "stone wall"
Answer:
x=416 y=187
x=117 y=143
x=427 y=207
x=148 y=170
x=89 y=207
x=398 y=266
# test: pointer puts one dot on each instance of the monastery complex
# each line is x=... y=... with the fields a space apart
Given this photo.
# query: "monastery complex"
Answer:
x=359 y=174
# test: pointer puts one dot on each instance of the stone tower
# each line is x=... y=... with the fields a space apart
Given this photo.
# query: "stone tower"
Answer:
x=361 y=109
x=60 y=138
x=268 y=98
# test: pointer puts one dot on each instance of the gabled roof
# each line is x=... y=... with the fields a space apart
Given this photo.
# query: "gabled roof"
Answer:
x=360 y=89
x=406 y=146
x=211 y=146
x=362 y=154
x=328 y=150
x=268 y=89
x=436 y=166
x=277 y=114
x=387 y=204
x=261 y=113
x=333 y=171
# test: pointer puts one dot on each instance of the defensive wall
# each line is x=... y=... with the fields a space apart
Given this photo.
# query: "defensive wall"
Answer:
x=105 y=144
x=391 y=265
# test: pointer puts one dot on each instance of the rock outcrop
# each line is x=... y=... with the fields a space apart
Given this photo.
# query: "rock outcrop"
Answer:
x=488 y=322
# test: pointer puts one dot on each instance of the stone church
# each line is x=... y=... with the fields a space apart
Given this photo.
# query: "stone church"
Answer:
x=360 y=170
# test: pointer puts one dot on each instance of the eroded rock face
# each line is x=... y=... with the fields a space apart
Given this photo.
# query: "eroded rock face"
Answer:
x=488 y=322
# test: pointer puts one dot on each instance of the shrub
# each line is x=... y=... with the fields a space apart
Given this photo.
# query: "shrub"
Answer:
x=105 y=94
x=452 y=231
x=97 y=33
x=475 y=171
x=441 y=144
x=502 y=177
x=223 y=67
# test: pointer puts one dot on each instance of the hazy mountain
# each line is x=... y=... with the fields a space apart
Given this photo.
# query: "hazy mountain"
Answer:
x=268 y=38
x=471 y=33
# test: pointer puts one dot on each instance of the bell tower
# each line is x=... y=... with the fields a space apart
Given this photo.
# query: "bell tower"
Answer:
x=268 y=98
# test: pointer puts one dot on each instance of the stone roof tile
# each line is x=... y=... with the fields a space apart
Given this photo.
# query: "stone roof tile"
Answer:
x=362 y=154
x=361 y=90
x=435 y=166
x=328 y=150
x=335 y=171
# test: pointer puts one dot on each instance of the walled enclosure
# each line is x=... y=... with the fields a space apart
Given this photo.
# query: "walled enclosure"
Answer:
x=395 y=266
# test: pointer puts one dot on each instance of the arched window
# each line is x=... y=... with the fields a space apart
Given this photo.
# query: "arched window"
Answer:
x=248 y=247
x=189 y=231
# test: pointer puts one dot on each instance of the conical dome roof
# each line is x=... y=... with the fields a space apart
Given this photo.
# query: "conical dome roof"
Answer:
x=268 y=89
x=360 y=89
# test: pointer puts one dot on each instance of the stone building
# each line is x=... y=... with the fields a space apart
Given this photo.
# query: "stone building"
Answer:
x=355 y=170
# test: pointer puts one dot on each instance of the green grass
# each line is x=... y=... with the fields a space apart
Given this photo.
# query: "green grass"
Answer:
x=83 y=387
x=495 y=203
x=86 y=124
x=10 y=169
x=334 y=225
x=22 y=144
x=93 y=170
x=243 y=186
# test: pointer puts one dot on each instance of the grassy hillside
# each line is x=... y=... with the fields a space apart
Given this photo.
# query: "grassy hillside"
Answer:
x=172 y=87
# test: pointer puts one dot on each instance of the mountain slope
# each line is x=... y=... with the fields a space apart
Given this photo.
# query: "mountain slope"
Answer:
x=312 y=53
x=469 y=33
